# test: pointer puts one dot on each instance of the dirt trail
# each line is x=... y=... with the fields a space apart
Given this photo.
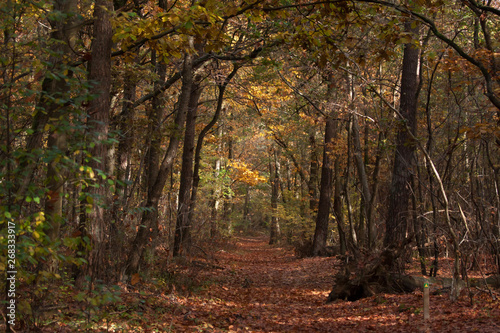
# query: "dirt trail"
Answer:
x=266 y=289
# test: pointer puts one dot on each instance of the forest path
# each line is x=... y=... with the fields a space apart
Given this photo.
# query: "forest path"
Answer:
x=266 y=288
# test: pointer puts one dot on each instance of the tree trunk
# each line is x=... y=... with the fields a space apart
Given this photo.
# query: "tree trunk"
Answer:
x=375 y=183
x=125 y=126
x=326 y=189
x=62 y=43
x=363 y=178
x=227 y=197
x=355 y=231
x=182 y=240
x=338 y=204
x=94 y=223
x=154 y=138
x=216 y=201
x=126 y=136
x=275 y=193
x=400 y=191
x=313 y=175
x=49 y=110
x=199 y=146
x=155 y=116
x=246 y=207
x=149 y=219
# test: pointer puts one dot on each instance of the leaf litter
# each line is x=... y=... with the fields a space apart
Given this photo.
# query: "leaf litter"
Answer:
x=260 y=288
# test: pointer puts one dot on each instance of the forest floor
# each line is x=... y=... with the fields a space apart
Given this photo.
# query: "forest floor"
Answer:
x=253 y=287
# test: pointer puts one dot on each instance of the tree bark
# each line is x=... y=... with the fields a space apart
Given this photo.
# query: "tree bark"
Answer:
x=338 y=204
x=182 y=240
x=154 y=140
x=363 y=178
x=400 y=191
x=326 y=188
x=50 y=111
x=149 y=219
x=54 y=88
x=376 y=182
x=98 y=121
x=275 y=194
x=217 y=190
x=124 y=124
x=227 y=197
x=313 y=175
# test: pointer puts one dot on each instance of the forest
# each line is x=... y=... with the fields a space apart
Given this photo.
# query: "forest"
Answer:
x=249 y=165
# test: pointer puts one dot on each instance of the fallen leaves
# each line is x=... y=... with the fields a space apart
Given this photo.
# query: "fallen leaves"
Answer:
x=266 y=289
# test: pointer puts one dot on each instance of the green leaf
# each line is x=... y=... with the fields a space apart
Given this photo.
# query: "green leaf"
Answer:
x=80 y=296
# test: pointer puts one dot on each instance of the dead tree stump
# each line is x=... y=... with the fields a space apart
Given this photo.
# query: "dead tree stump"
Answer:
x=368 y=275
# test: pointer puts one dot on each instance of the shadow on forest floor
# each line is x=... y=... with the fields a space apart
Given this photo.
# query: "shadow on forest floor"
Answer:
x=254 y=287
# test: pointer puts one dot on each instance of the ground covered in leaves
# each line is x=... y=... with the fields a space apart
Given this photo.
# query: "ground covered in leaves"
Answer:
x=253 y=287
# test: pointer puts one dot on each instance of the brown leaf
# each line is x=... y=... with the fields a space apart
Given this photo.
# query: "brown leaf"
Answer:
x=135 y=279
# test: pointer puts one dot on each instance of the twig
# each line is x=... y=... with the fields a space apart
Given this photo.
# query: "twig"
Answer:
x=54 y=307
x=489 y=291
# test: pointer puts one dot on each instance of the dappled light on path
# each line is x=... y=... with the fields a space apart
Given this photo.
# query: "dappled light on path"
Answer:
x=266 y=289
x=250 y=286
